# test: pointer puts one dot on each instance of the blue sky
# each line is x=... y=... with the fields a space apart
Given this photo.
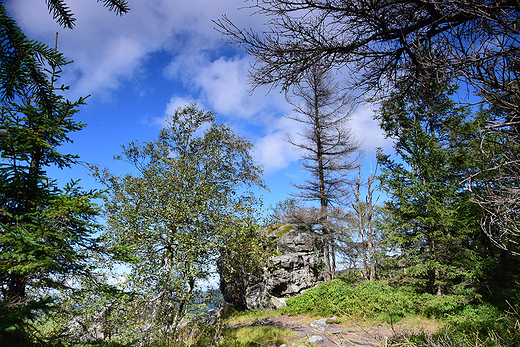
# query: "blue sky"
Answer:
x=163 y=54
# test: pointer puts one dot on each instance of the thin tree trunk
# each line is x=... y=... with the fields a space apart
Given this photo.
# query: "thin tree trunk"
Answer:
x=333 y=258
x=326 y=259
x=370 y=230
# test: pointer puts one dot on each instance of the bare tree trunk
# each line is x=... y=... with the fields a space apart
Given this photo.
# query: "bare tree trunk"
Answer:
x=326 y=259
x=365 y=212
x=333 y=257
x=370 y=230
x=359 y=209
x=328 y=144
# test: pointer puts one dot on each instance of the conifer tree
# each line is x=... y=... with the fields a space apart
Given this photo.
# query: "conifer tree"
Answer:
x=433 y=222
x=45 y=231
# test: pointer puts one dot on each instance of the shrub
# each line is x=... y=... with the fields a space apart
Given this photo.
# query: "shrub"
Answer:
x=440 y=306
x=375 y=300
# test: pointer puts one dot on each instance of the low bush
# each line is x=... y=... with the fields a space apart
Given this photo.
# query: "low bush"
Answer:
x=481 y=325
x=374 y=300
x=440 y=306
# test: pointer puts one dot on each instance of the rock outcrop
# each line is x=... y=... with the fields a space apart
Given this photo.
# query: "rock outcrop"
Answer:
x=297 y=266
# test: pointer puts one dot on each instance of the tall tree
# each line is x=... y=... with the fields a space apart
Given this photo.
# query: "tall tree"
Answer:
x=434 y=223
x=328 y=147
x=179 y=211
x=46 y=232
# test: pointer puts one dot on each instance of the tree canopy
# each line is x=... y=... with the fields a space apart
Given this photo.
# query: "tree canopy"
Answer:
x=433 y=222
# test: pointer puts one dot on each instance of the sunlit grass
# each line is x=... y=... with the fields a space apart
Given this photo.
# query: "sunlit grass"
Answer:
x=265 y=336
x=233 y=316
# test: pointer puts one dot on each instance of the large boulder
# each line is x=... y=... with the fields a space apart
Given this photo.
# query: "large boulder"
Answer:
x=297 y=265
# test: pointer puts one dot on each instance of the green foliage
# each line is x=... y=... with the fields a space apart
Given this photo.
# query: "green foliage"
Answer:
x=373 y=300
x=441 y=305
x=233 y=315
x=433 y=222
x=46 y=232
x=285 y=229
x=379 y=300
x=64 y=16
x=23 y=64
x=189 y=202
x=254 y=336
x=473 y=326
x=465 y=324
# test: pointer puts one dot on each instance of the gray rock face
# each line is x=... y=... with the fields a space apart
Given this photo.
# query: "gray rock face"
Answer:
x=298 y=267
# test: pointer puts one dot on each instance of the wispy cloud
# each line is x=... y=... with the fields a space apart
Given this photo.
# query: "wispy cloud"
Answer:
x=366 y=129
x=272 y=151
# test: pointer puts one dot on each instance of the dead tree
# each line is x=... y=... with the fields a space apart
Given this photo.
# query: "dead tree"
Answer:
x=329 y=150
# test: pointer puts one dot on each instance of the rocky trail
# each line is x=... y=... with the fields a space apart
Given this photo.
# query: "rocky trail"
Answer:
x=327 y=333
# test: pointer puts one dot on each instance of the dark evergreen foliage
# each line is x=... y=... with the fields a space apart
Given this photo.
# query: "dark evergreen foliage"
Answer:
x=64 y=16
x=46 y=232
x=434 y=224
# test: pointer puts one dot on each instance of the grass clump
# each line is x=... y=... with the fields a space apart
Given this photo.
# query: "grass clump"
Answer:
x=235 y=316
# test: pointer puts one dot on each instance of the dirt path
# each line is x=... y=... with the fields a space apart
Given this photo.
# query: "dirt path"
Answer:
x=333 y=335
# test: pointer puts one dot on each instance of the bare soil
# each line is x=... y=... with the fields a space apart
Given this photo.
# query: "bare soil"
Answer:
x=344 y=334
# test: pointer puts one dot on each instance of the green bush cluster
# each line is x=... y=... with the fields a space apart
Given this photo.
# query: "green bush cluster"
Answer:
x=379 y=300
x=473 y=326
x=375 y=300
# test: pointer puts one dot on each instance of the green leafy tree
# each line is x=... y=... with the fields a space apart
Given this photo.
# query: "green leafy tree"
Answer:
x=433 y=222
x=187 y=203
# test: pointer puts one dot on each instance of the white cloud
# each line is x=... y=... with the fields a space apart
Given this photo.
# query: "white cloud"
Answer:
x=367 y=130
x=224 y=83
x=272 y=151
x=175 y=103
x=108 y=49
x=172 y=106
